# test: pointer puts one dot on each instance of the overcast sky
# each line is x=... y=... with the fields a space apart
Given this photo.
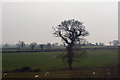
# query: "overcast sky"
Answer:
x=33 y=21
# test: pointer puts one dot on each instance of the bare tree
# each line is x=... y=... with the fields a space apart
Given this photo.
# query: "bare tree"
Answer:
x=21 y=44
x=41 y=46
x=115 y=42
x=110 y=42
x=6 y=45
x=48 y=45
x=70 y=31
x=33 y=45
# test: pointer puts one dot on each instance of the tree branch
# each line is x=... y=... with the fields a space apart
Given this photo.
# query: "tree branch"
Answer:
x=63 y=38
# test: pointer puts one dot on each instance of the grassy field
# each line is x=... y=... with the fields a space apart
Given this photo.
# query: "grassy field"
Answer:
x=95 y=60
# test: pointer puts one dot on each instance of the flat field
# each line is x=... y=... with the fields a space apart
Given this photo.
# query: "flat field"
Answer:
x=100 y=61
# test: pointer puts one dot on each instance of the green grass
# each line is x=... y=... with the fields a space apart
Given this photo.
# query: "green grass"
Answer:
x=99 y=58
x=48 y=60
x=94 y=60
x=34 y=60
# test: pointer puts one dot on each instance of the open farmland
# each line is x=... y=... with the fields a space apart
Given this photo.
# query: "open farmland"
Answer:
x=95 y=60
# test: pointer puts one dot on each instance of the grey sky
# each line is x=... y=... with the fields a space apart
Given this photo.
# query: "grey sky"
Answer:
x=33 y=22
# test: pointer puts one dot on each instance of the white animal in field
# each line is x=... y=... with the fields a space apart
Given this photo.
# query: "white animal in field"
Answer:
x=108 y=73
x=36 y=76
x=47 y=73
x=5 y=74
x=93 y=73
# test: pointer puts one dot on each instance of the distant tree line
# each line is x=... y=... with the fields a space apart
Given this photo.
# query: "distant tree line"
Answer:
x=34 y=45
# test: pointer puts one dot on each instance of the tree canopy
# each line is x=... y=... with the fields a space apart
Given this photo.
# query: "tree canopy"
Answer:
x=70 y=30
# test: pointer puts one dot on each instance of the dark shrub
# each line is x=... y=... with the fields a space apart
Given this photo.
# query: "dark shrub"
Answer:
x=26 y=69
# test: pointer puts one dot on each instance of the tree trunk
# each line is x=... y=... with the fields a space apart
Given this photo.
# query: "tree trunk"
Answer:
x=70 y=66
x=70 y=56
